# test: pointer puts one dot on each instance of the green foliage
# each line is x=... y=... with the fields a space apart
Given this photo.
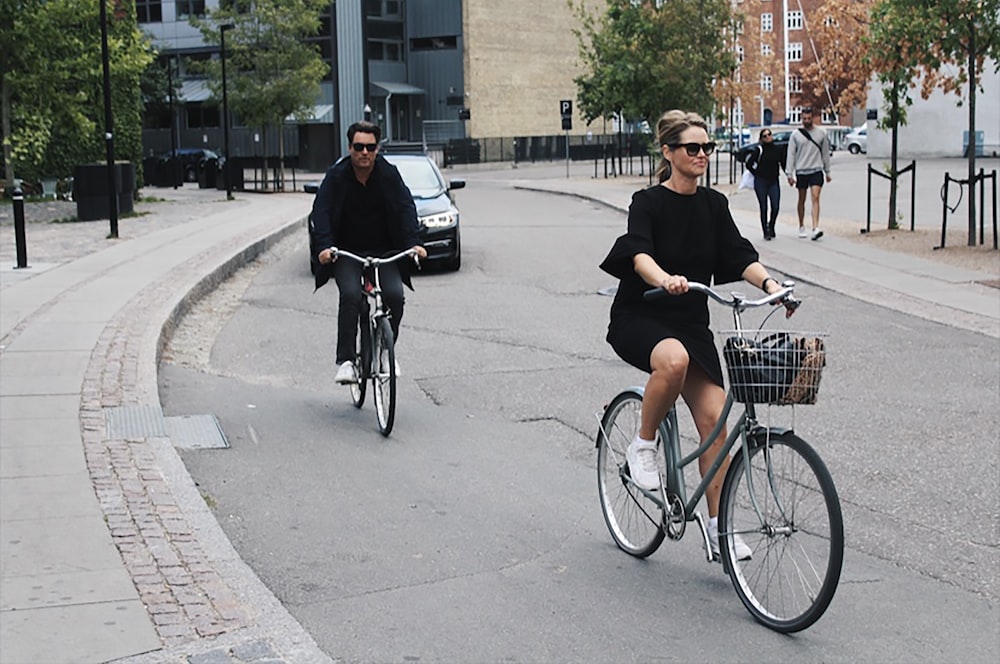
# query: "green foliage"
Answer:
x=54 y=78
x=270 y=72
x=642 y=59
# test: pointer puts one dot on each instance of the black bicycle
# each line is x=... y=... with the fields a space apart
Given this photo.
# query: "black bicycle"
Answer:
x=375 y=356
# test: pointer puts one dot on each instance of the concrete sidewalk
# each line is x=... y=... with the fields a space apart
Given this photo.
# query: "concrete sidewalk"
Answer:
x=108 y=551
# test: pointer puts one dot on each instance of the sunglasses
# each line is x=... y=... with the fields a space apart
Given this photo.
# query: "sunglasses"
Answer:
x=363 y=147
x=693 y=148
x=765 y=135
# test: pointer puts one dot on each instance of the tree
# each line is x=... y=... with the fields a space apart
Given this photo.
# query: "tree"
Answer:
x=963 y=33
x=271 y=73
x=52 y=86
x=643 y=58
x=837 y=28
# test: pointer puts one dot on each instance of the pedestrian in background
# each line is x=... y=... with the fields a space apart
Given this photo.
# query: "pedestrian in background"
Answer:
x=764 y=163
x=808 y=161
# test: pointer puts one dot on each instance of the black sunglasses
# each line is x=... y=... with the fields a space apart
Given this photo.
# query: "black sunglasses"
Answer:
x=361 y=147
x=766 y=134
x=693 y=148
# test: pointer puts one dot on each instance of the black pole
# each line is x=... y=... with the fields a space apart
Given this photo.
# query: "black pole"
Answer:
x=173 y=163
x=22 y=246
x=225 y=113
x=109 y=143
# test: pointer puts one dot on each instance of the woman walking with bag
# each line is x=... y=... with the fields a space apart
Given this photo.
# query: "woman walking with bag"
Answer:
x=764 y=163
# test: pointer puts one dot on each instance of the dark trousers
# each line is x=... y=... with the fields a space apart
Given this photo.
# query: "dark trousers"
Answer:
x=767 y=191
x=347 y=272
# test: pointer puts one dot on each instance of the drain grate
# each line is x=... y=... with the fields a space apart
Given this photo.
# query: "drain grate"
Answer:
x=196 y=432
x=134 y=422
x=190 y=432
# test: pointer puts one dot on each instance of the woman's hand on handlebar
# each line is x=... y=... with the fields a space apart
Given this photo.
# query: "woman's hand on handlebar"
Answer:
x=674 y=284
x=419 y=252
x=327 y=256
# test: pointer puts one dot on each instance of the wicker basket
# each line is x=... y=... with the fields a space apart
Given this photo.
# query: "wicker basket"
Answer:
x=782 y=368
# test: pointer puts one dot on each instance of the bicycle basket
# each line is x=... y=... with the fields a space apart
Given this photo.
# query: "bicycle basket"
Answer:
x=782 y=368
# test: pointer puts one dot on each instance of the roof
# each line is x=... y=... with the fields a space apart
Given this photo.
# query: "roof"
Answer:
x=395 y=88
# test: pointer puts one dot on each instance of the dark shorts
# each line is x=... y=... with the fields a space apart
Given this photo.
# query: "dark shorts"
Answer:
x=809 y=180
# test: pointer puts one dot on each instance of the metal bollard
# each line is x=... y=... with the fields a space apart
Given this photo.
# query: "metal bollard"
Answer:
x=19 y=240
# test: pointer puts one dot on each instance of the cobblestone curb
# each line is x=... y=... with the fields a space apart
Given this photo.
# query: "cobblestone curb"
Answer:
x=156 y=518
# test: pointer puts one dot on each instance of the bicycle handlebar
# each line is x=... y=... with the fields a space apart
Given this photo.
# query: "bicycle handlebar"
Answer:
x=373 y=261
x=736 y=300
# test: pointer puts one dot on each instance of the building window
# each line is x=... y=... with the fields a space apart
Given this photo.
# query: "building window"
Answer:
x=384 y=8
x=766 y=22
x=739 y=53
x=187 y=8
x=795 y=52
x=795 y=20
x=148 y=11
x=388 y=51
x=794 y=84
x=795 y=115
x=200 y=116
x=765 y=49
x=449 y=43
x=766 y=83
x=829 y=116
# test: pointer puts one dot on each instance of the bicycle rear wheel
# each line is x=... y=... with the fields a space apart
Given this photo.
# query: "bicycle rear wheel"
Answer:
x=797 y=538
x=633 y=518
x=362 y=357
x=384 y=376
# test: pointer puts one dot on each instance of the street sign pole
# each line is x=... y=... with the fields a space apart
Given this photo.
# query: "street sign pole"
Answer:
x=566 y=113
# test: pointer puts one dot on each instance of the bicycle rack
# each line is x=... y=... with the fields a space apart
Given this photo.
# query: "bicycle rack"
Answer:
x=981 y=180
x=913 y=191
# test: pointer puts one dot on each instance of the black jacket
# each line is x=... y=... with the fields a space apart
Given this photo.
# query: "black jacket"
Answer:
x=328 y=210
x=765 y=161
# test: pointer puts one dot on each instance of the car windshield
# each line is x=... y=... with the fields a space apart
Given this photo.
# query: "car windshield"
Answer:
x=420 y=177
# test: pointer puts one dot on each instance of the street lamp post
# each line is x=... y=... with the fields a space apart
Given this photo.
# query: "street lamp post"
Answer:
x=225 y=112
x=109 y=144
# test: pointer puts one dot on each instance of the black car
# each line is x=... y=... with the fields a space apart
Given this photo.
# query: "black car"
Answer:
x=191 y=159
x=437 y=214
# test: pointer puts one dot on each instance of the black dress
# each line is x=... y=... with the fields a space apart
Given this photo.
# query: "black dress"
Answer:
x=691 y=235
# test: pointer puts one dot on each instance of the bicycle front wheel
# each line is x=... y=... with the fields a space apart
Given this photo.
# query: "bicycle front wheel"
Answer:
x=362 y=358
x=787 y=510
x=632 y=517
x=384 y=376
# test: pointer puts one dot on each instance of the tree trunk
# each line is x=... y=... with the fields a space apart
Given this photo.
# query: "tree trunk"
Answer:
x=281 y=156
x=263 y=142
x=5 y=111
x=972 y=133
x=894 y=155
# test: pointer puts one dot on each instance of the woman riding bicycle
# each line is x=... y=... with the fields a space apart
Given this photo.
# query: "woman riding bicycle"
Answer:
x=677 y=231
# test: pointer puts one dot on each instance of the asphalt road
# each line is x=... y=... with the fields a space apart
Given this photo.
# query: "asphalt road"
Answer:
x=475 y=534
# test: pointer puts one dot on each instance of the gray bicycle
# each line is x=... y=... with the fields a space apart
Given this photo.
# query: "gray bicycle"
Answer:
x=777 y=495
x=375 y=357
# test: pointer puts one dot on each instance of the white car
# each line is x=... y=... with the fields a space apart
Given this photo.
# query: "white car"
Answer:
x=857 y=140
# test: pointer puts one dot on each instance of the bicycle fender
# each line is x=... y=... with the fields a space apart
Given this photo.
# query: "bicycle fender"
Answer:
x=635 y=389
x=760 y=434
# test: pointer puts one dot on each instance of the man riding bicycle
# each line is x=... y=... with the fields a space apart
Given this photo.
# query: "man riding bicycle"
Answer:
x=362 y=206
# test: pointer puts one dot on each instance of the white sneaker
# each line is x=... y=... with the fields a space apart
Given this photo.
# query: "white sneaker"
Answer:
x=803 y=232
x=817 y=234
x=641 y=457
x=346 y=374
x=743 y=552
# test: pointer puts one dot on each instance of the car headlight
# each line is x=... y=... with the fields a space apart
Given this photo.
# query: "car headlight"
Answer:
x=442 y=220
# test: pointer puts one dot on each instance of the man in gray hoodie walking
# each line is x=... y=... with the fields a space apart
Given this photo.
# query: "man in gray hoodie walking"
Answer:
x=807 y=163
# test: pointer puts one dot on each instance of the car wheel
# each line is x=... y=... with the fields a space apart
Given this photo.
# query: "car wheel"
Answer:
x=853 y=148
